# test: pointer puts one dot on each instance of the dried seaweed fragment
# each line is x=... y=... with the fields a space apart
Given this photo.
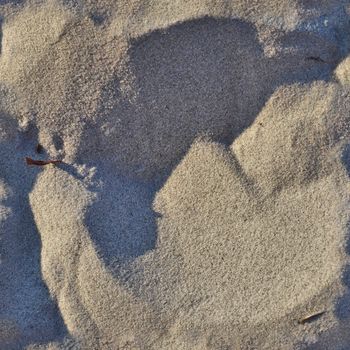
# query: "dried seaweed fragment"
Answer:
x=31 y=161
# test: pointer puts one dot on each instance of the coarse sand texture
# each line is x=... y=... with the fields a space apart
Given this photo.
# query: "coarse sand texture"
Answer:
x=202 y=201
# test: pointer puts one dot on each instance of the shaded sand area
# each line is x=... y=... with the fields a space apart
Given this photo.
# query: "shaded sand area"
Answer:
x=203 y=198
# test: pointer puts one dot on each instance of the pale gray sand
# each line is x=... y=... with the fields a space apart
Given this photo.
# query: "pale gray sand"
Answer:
x=203 y=198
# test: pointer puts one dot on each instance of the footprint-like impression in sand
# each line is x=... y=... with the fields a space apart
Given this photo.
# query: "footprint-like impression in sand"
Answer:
x=202 y=77
x=208 y=78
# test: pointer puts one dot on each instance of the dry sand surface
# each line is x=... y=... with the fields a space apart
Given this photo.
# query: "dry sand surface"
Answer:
x=203 y=198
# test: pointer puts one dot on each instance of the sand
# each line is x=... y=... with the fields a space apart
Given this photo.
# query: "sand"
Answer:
x=203 y=198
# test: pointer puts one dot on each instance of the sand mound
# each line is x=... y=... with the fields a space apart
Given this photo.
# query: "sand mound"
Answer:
x=203 y=198
x=342 y=72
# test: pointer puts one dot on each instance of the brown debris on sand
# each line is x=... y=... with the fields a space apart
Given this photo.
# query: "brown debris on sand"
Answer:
x=31 y=161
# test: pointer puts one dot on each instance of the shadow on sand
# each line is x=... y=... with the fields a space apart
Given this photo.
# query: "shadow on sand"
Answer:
x=25 y=303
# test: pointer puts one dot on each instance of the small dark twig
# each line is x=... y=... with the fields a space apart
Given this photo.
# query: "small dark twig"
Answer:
x=311 y=318
x=315 y=58
x=31 y=161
